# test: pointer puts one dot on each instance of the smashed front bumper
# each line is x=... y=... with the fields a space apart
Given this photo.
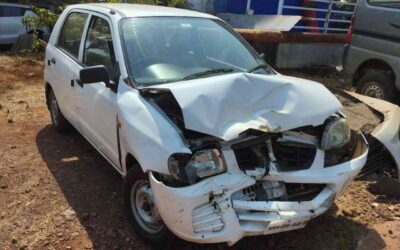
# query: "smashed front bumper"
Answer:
x=387 y=132
x=211 y=211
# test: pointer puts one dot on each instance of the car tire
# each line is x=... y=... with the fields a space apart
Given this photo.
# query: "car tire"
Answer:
x=57 y=118
x=141 y=209
x=377 y=84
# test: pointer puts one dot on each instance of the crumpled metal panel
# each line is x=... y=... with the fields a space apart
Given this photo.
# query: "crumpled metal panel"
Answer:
x=146 y=130
x=226 y=105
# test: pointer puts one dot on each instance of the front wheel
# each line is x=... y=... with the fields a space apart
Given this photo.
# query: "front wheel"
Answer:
x=141 y=208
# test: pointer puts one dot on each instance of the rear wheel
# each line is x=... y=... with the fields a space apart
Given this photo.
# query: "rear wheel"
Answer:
x=141 y=208
x=57 y=118
x=377 y=84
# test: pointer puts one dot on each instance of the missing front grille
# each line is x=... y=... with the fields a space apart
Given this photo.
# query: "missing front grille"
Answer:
x=292 y=157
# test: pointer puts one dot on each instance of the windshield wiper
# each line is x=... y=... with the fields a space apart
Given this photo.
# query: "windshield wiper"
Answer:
x=259 y=66
x=206 y=73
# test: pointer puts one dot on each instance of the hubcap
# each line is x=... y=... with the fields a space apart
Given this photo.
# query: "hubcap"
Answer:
x=374 y=90
x=54 y=110
x=144 y=208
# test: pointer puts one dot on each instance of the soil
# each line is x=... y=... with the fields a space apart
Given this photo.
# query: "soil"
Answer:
x=57 y=192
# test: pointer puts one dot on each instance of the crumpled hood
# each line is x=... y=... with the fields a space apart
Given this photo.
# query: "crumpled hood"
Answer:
x=226 y=105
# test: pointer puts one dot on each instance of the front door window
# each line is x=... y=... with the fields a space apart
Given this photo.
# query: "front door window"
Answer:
x=99 y=49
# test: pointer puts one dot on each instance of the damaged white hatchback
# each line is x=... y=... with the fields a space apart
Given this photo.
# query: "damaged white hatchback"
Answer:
x=213 y=144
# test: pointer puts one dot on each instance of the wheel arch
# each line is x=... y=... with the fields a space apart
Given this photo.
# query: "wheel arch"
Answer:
x=130 y=162
x=373 y=63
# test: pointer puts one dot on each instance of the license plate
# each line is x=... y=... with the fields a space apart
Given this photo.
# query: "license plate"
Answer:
x=286 y=225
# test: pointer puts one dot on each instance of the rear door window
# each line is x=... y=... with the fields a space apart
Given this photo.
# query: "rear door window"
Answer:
x=11 y=11
x=71 y=33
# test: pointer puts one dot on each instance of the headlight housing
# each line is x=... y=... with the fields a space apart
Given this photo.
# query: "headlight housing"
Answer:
x=191 y=168
x=336 y=134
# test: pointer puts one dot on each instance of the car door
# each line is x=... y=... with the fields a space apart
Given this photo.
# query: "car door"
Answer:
x=11 y=23
x=96 y=103
x=63 y=62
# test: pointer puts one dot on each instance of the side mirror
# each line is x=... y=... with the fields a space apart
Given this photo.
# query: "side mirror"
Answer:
x=95 y=74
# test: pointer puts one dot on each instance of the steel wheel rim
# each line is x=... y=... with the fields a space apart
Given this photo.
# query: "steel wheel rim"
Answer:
x=143 y=207
x=374 y=90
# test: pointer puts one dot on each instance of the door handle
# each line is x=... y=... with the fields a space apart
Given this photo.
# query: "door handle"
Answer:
x=53 y=60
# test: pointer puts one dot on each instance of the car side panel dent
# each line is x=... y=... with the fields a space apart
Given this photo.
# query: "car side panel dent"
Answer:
x=145 y=133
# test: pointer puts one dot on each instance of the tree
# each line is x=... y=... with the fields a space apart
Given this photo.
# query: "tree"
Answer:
x=43 y=18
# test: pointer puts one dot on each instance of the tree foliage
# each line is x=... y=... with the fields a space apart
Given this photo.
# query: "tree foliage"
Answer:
x=43 y=18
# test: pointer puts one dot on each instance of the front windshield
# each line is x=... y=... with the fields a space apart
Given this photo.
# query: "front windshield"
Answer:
x=168 y=49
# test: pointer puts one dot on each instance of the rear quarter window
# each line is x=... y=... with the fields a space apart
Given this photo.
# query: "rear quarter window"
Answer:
x=71 y=33
x=395 y=4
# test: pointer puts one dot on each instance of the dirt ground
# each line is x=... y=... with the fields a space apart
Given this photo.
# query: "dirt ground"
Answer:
x=57 y=192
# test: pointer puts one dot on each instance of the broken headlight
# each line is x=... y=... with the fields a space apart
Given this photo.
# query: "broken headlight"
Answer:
x=336 y=134
x=201 y=164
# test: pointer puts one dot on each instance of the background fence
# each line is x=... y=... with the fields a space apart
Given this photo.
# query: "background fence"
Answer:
x=323 y=16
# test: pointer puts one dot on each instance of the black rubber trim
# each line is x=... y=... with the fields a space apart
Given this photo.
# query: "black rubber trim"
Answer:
x=395 y=25
x=251 y=142
x=119 y=143
x=79 y=83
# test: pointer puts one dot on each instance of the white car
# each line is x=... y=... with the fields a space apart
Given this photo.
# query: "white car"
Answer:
x=213 y=144
x=11 y=21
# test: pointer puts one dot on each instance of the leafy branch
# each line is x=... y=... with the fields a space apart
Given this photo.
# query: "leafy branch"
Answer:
x=36 y=24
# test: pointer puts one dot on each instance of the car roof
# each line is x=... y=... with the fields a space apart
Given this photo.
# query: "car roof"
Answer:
x=141 y=10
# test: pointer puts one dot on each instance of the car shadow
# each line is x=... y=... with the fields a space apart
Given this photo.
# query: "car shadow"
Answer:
x=93 y=189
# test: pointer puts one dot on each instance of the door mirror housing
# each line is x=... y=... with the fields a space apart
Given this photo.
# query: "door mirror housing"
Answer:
x=95 y=74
